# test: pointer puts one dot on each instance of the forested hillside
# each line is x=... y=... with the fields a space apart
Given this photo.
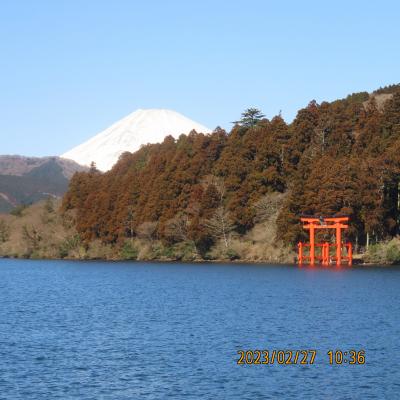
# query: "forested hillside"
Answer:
x=338 y=158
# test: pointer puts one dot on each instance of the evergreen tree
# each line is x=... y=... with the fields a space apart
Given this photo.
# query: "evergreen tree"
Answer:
x=250 y=117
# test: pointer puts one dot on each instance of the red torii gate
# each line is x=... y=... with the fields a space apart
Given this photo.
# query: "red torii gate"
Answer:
x=336 y=223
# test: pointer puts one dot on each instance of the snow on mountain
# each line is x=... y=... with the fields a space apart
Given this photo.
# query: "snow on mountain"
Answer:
x=128 y=134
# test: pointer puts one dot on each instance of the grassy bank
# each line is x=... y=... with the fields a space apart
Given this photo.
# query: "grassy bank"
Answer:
x=42 y=232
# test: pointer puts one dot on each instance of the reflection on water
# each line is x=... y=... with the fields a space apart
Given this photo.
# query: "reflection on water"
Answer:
x=97 y=330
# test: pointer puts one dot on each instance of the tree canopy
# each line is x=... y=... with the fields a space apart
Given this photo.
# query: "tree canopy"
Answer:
x=250 y=117
x=335 y=158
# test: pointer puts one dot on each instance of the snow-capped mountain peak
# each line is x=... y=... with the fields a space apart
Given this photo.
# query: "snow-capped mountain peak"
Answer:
x=129 y=133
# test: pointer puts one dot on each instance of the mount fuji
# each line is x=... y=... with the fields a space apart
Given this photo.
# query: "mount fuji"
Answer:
x=129 y=134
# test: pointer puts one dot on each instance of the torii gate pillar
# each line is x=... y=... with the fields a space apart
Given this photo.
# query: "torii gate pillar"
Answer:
x=338 y=244
x=312 y=245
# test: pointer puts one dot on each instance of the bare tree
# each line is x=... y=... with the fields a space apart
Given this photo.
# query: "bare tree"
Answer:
x=32 y=236
x=268 y=206
x=4 y=231
x=147 y=230
x=177 y=228
x=218 y=182
x=220 y=225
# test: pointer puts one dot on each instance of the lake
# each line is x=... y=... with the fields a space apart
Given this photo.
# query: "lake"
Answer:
x=103 y=330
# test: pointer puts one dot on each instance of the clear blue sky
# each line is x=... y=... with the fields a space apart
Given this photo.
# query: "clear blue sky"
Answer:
x=68 y=69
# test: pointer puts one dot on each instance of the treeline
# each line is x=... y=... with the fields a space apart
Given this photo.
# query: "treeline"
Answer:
x=339 y=158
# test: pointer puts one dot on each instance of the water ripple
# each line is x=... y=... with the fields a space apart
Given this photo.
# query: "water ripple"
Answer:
x=96 y=330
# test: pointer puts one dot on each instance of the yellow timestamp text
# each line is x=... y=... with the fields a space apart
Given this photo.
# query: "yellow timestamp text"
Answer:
x=300 y=357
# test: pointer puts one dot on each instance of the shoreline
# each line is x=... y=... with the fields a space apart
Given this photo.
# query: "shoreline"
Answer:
x=219 y=261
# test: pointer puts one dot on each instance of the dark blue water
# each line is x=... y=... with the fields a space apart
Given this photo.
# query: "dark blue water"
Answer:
x=97 y=330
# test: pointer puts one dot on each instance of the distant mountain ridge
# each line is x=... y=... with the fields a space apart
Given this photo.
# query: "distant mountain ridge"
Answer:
x=20 y=165
x=26 y=180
